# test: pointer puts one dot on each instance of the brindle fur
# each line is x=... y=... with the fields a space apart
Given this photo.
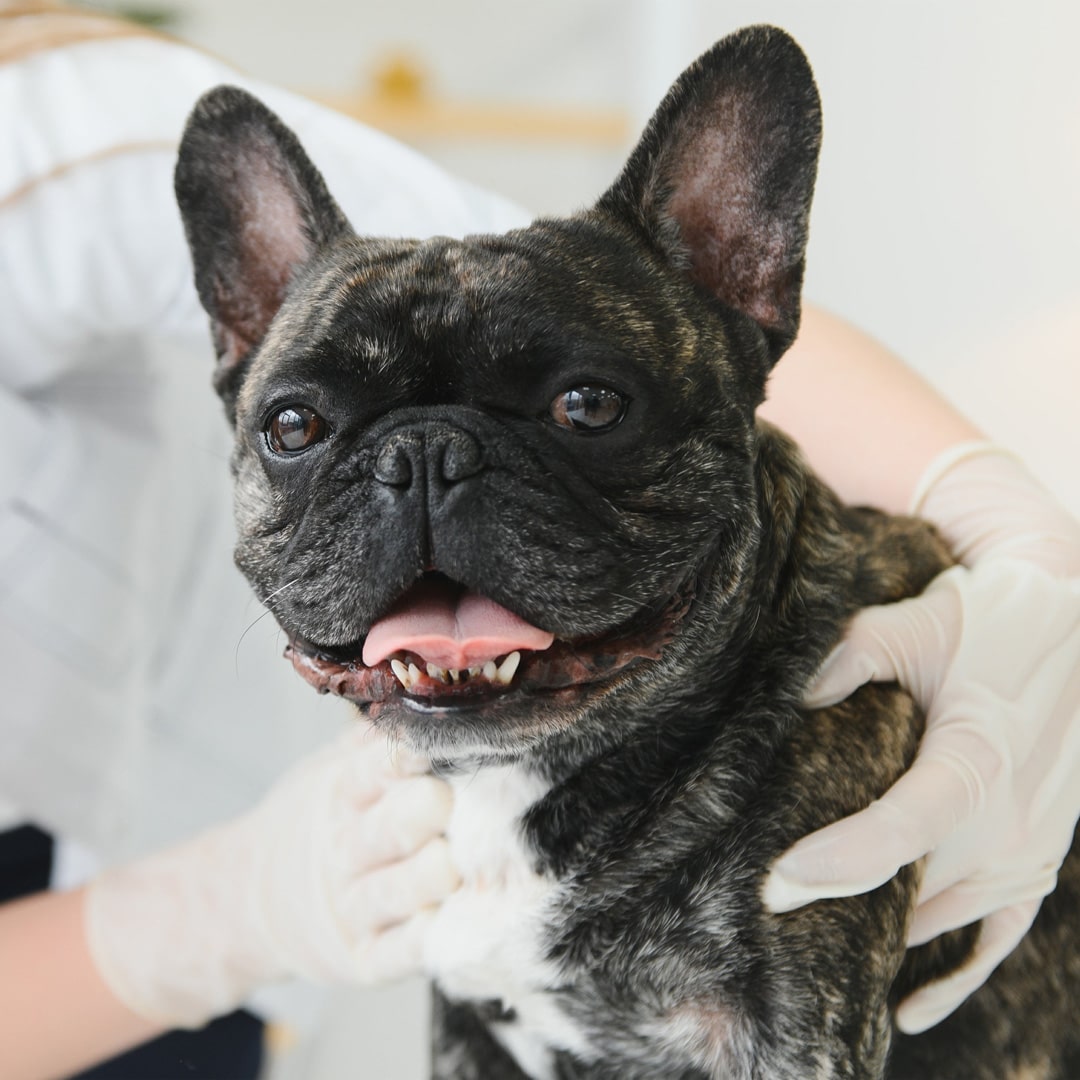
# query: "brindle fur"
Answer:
x=675 y=785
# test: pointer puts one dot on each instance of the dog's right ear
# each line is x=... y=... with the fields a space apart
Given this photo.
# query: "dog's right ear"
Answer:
x=255 y=211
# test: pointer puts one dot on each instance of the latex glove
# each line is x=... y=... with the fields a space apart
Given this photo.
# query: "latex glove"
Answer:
x=334 y=876
x=992 y=654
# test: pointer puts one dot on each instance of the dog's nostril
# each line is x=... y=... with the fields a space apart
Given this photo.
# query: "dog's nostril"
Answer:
x=393 y=466
x=461 y=457
x=442 y=455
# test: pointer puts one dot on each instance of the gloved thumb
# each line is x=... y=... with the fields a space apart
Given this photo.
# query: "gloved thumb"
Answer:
x=889 y=642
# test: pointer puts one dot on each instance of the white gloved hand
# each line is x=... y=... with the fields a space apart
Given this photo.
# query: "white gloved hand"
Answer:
x=992 y=654
x=334 y=876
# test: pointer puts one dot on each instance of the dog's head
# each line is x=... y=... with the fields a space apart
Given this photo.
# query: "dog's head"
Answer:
x=490 y=487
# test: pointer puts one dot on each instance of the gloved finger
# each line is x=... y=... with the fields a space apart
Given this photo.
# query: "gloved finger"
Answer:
x=861 y=852
x=1001 y=933
x=394 y=953
x=407 y=815
x=371 y=761
x=975 y=899
x=845 y=669
x=889 y=643
x=987 y=840
x=394 y=893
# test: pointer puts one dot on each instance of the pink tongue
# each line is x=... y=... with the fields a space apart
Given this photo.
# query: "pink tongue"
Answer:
x=450 y=629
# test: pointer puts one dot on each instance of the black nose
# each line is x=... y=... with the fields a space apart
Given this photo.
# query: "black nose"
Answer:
x=443 y=454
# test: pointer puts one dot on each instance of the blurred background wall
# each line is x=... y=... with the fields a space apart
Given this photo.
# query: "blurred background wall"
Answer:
x=947 y=218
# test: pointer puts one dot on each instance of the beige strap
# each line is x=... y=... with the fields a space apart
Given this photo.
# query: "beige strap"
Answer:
x=27 y=28
x=33 y=26
x=122 y=150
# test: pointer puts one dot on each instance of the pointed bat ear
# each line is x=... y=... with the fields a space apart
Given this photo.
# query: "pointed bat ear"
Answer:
x=255 y=210
x=722 y=179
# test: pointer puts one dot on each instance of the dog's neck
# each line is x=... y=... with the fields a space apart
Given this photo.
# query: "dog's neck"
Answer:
x=595 y=780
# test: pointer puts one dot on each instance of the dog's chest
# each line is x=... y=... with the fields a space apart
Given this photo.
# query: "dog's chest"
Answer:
x=487 y=943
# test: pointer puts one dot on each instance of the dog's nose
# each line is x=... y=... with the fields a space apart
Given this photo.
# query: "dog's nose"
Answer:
x=446 y=455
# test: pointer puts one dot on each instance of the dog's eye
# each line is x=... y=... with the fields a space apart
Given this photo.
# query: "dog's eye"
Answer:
x=294 y=429
x=588 y=408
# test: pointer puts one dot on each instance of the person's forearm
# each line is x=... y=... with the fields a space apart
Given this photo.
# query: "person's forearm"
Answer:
x=868 y=424
x=57 y=1016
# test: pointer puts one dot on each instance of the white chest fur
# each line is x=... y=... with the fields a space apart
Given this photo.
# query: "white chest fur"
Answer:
x=486 y=941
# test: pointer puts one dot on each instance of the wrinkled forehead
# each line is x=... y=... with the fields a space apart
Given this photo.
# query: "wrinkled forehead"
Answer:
x=557 y=289
x=568 y=275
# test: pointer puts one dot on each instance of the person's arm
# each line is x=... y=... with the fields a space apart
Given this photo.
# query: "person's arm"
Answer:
x=868 y=424
x=991 y=651
x=334 y=877
x=57 y=1014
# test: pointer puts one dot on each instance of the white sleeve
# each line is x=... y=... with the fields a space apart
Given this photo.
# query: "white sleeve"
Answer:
x=92 y=253
x=94 y=280
x=92 y=242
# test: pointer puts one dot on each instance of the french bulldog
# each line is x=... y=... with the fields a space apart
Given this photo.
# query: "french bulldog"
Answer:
x=509 y=496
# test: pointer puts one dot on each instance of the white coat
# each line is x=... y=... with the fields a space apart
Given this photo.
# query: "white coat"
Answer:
x=141 y=695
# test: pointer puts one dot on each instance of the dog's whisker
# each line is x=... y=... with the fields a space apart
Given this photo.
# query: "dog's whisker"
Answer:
x=437 y=769
x=279 y=591
x=255 y=622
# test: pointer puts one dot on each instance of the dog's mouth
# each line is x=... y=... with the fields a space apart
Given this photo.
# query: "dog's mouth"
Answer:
x=443 y=647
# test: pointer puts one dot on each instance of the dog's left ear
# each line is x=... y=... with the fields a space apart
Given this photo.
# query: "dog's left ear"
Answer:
x=255 y=211
x=722 y=179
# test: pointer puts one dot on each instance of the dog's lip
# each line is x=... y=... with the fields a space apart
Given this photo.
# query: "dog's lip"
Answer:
x=562 y=666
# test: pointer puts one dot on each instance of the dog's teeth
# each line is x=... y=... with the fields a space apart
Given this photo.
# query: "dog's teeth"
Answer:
x=402 y=673
x=507 y=668
x=409 y=675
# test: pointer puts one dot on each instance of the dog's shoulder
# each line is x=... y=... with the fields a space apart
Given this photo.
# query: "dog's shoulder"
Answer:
x=811 y=535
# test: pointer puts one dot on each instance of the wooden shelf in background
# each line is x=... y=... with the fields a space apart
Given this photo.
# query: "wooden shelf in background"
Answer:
x=426 y=118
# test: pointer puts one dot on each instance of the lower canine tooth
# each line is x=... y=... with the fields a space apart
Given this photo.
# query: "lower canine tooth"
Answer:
x=507 y=668
x=490 y=670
